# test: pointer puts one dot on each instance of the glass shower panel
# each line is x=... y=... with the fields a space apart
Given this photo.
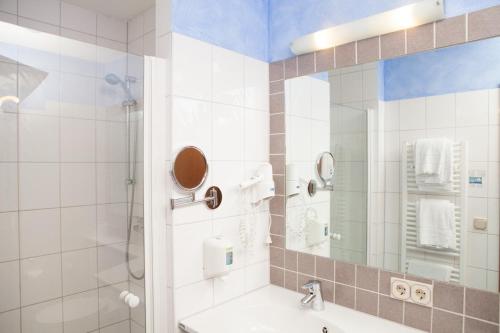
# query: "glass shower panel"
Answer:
x=349 y=200
x=71 y=194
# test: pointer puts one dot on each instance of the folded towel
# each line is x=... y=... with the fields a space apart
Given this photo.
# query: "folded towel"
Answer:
x=434 y=164
x=436 y=224
x=429 y=270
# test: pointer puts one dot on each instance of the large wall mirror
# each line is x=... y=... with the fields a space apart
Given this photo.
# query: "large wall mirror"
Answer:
x=415 y=146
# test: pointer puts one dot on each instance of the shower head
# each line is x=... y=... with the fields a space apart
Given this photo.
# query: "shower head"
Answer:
x=113 y=79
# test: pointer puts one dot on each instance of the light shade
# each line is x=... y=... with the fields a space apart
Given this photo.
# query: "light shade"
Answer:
x=422 y=12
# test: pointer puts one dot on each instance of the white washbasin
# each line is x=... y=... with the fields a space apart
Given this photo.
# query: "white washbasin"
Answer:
x=277 y=310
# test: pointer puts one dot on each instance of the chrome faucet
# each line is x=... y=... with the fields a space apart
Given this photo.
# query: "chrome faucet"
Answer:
x=313 y=295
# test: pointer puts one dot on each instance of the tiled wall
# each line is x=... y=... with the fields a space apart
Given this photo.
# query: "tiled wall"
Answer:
x=456 y=309
x=467 y=116
x=219 y=103
x=141 y=38
x=63 y=208
x=67 y=20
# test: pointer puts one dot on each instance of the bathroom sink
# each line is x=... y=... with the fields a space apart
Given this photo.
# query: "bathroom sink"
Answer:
x=277 y=310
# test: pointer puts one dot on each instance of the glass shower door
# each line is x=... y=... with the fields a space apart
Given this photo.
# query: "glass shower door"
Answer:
x=71 y=194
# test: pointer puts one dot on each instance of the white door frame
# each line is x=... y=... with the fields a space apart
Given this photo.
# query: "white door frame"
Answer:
x=155 y=223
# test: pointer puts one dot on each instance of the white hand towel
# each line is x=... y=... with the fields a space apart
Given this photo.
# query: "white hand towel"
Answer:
x=436 y=224
x=434 y=164
x=429 y=270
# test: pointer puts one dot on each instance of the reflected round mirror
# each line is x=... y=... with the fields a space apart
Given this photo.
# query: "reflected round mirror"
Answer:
x=325 y=167
x=190 y=169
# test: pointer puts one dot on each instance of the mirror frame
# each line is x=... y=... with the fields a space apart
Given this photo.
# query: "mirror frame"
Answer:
x=176 y=180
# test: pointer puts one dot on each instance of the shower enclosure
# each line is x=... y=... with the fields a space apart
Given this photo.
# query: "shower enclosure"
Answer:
x=72 y=186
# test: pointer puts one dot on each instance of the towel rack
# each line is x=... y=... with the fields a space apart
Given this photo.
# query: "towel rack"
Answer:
x=457 y=194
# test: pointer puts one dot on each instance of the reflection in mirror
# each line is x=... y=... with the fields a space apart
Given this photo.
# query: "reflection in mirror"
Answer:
x=325 y=167
x=190 y=169
x=416 y=178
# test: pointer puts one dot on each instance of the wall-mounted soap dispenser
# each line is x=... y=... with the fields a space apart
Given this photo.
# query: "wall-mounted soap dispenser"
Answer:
x=218 y=257
x=292 y=180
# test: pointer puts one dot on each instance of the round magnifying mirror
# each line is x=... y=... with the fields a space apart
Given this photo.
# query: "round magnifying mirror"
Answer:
x=190 y=169
x=325 y=166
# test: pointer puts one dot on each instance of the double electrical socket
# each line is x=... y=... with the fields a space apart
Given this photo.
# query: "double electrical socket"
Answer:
x=411 y=291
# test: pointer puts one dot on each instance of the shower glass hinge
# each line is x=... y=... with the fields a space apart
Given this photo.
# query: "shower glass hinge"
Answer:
x=130 y=181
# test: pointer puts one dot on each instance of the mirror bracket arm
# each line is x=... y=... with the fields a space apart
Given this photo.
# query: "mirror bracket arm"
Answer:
x=213 y=199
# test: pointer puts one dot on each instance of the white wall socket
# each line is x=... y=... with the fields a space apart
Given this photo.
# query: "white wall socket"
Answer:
x=411 y=291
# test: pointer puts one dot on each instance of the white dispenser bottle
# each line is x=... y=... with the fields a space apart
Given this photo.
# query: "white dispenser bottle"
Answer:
x=218 y=257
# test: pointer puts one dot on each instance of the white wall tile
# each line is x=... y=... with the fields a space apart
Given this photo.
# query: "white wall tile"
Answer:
x=136 y=47
x=228 y=133
x=477 y=139
x=78 y=227
x=111 y=186
x=149 y=44
x=111 y=308
x=111 y=141
x=493 y=216
x=392 y=146
x=476 y=208
x=9 y=190
x=111 y=223
x=79 y=271
x=188 y=255
x=45 y=98
x=256 y=135
x=193 y=74
x=412 y=114
x=256 y=84
x=392 y=205
x=79 y=312
x=38 y=26
x=111 y=264
x=232 y=287
x=494 y=144
x=440 y=111
x=9 y=236
x=9 y=6
x=392 y=177
x=472 y=108
x=111 y=28
x=193 y=298
x=78 y=184
x=78 y=96
x=493 y=252
x=38 y=185
x=494 y=106
x=479 y=257
x=9 y=18
x=77 y=140
x=228 y=175
x=123 y=326
x=149 y=19
x=11 y=321
x=135 y=27
x=256 y=276
x=475 y=277
x=40 y=279
x=9 y=285
x=8 y=128
x=39 y=232
x=391 y=115
x=78 y=18
x=50 y=12
x=352 y=87
x=493 y=180
x=192 y=121
x=228 y=76
x=38 y=138
x=43 y=318
x=492 y=281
